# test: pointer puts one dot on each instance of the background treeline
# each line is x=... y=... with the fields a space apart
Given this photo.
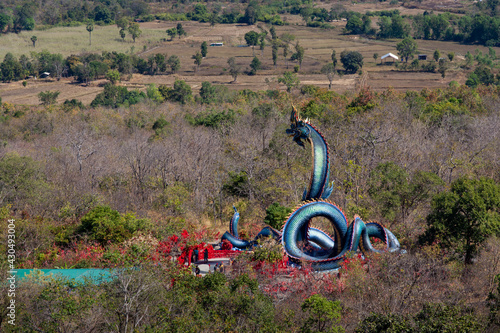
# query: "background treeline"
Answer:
x=85 y=67
x=470 y=29
x=478 y=24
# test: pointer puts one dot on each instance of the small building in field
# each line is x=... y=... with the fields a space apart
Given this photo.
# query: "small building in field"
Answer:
x=44 y=75
x=390 y=56
x=422 y=57
x=217 y=44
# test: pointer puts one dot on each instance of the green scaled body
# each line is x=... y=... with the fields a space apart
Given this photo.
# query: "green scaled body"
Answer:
x=303 y=243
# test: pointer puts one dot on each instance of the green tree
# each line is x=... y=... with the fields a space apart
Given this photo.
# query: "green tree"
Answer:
x=22 y=180
x=299 y=54
x=208 y=92
x=251 y=14
x=469 y=59
x=276 y=215
x=5 y=21
x=197 y=59
x=290 y=80
x=354 y=25
x=252 y=38
x=33 y=40
x=134 y=30
x=443 y=67
x=122 y=23
x=334 y=59
x=262 y=43
x=154 y=94
x=275 y=48
x=465 y=216
x=123 y=34
x=375 y=57
x=181 y=92
x=351 y=60
x=180 y=30
x=204 y=49
x=398 y=193
x=172 y=32
x=104 y=225
x=387 y=323
x=323 y=315
x=113 y=76
x=436 y=317
x=436 y=55
x=255 y=65
x=234 y=69
x=48 y=97
x=451 y=56
x=407 y=48
x=90 y=28
x=174 y=62
x=329 y=70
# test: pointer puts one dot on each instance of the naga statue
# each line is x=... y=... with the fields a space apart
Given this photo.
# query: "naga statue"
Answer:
x=303 y=243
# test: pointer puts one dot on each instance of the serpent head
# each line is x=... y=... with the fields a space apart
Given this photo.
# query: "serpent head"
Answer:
x=298 y=128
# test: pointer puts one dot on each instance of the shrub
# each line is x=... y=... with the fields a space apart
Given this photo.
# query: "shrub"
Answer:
x=276 y=215
x=104 y=225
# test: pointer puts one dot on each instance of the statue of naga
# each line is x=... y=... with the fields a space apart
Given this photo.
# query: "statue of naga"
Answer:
x=303 y=243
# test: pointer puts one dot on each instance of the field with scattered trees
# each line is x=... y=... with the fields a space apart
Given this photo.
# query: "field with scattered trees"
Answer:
x=143 y=137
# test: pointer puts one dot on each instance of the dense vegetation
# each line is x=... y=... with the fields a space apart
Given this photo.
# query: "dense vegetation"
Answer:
x=137 y=177
x=71 y=177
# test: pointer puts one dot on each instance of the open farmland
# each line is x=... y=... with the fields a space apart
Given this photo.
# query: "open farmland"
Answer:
x=318 y=45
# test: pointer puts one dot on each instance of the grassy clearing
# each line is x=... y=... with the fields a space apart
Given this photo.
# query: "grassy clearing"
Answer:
x=74 y=40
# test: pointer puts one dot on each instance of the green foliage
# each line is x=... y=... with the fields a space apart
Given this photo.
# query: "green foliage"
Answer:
x=154 y=94
x=48 y=97
x=213 y=118
x=73 y=103
x=197 y=59
x=251 y=38
x=204 y=49
x=276 y=215
x=255 y=65
x=22 y=180
x=234 y=69
x=237 y=184
x=134 y=30
x=290 y=80
x=351 y=60
x=388 y=323
x=106 y=225
x=481 y=75
x=160 y=125
x=172 y=32
x=435 y=112
x=465 y=216
x=181 y=92
x=407 y=48
x=115 y=96
x=323 y=315
x=113 y=76
x=174 y=62
x=436 y=317
x=174 y=198
x=61 y=301
x=397 y=193
x=494 y=305
x=268 y=251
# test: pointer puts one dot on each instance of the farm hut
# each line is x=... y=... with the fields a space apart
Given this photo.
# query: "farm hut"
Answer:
x=422 y=57
x=217 y=44
x=389 y=55
x=44 y=75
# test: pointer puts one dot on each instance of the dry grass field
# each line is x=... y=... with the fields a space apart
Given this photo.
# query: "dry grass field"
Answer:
x=318 y=44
